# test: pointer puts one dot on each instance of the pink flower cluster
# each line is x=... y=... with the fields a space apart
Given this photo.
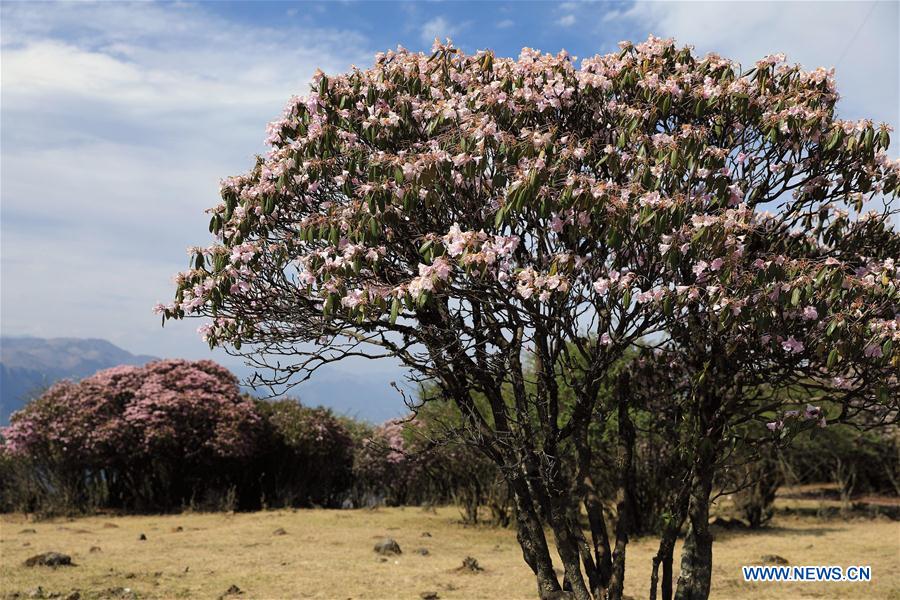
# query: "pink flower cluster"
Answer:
x=169 y=405
x=811 y=413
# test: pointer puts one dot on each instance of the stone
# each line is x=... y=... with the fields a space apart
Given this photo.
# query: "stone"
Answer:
x=233 y=590
x=426 y=534
x=95 y=549
x=142 y=538
x=177 y=529
x=29 y=530
x=49 y=559
x=470 y=564
x=279 y=531
x=422 y=551
x=774 y=559
x=388 y=546
x=429 y=596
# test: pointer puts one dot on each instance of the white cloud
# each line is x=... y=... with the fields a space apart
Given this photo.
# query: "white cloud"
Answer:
x=118 y=122
x=505 y=24
x=860 y=39
x=611 y=16
x=437 y=27
x=566 y=20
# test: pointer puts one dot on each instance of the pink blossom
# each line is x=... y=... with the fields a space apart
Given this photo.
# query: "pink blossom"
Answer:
x=792 y=345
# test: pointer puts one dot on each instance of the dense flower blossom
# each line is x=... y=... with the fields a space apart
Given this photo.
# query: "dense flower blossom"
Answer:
x=169 y=405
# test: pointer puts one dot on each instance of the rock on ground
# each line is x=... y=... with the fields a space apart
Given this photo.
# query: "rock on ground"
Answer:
x=49 y=559
x=388 y=546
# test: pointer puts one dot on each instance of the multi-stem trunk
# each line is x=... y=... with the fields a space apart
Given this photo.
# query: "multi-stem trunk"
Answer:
x=626 y=489
x=696 y=555
x=665 y=555
x=530 y=534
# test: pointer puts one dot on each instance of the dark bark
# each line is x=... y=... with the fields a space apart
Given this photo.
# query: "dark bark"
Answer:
x=599 y=565
x=599 y=537
x=625 y=493
x=664 y=558
x=530 y=534
x=696 y=555
x=665 y=555
x=567 y=547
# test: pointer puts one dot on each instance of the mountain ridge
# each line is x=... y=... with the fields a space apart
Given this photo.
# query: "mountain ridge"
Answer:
x=28 y=365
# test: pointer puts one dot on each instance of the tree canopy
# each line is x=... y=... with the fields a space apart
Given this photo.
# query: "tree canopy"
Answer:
x=498 y=224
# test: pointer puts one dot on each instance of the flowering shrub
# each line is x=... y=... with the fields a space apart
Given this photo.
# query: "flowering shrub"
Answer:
x=147 y=433
x=305 y=456
x=176 y=407
x=386 y=467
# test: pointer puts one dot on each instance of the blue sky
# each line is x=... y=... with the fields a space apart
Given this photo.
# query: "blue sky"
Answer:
x=118 y=120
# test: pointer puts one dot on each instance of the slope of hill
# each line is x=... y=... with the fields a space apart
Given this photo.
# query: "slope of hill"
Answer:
x=29 y=365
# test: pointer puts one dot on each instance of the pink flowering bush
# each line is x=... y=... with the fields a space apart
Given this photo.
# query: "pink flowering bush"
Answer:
x=497 y=224
x=168 y=406
x=387 y=468
x=147 y=433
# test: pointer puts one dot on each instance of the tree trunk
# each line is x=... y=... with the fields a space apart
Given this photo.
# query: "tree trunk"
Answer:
x=664 y=557
x=530 y=534
x=696 y=555
x=625 y=494
x=567 y=547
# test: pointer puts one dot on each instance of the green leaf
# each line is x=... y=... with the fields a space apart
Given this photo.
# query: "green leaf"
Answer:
x=833 y=358
x=834 y=139
x=887 y=348
x=395 y=310
x=498 y=218
x=795 y=297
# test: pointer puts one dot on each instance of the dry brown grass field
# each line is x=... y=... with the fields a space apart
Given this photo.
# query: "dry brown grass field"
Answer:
x=329 y=554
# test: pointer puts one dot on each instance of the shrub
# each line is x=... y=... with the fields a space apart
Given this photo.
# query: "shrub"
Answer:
x=152 y=437
x=306 y=456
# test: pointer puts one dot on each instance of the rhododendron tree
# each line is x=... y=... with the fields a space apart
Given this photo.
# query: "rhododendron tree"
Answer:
x=498 y=224
x=140 y=429
x=804 y=310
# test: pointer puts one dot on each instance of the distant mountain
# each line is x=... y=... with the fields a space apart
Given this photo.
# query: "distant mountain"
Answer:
x=29 y=365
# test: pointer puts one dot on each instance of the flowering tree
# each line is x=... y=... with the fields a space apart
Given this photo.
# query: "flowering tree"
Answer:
x=132 y=425
x=499 y=224
x=810 y=315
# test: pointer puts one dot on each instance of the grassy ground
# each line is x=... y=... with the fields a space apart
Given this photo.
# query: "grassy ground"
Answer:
x=328 y=554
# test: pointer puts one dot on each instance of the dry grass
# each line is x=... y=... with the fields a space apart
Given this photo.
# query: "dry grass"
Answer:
x=328 y=554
